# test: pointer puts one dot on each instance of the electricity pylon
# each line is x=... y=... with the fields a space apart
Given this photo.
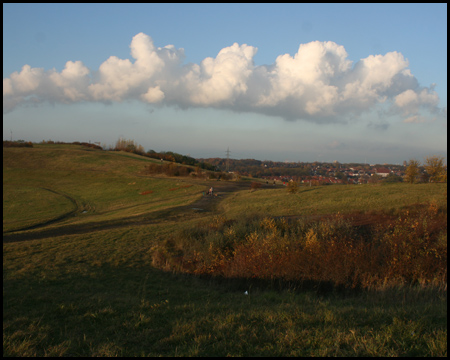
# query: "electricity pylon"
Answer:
x=228 y=160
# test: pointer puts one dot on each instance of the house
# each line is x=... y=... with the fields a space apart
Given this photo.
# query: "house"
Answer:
x=382 y=171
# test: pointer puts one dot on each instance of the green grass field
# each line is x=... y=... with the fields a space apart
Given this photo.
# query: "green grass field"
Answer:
x=97 y=293
x=102 y=186
x=334 y=199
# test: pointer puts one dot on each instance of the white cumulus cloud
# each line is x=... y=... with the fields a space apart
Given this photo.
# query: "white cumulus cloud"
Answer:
x=153 y=95
x=410 y=101
x=27 y=80
x=221 y=80
x=72 y=81
x=319 y=83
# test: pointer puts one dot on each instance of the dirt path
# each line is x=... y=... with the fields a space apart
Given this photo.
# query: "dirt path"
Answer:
x=206 y=204
x=52 y=221
x=221 y=189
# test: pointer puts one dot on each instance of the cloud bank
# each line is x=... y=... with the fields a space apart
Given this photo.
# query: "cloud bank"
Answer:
x=319 y=83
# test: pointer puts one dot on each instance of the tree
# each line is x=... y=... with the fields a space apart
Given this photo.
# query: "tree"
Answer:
x=341 y=175
x=434 y=165
x=375 y=179
x=292 y=187
x=412 y=171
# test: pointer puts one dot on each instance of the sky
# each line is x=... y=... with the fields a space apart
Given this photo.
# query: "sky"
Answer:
x=360 y=83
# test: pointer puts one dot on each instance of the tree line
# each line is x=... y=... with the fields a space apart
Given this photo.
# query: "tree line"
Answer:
x=435 y=170
x=133 y=147
x=18 y=143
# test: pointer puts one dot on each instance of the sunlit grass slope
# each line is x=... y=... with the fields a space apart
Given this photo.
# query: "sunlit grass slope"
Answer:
x=333 y=199
x=48 y=181
x=26 y=206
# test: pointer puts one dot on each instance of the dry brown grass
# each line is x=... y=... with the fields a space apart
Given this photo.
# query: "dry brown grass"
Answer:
x=369 y=251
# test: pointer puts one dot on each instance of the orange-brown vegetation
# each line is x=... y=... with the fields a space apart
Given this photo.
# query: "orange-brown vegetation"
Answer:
x=255 y=185
x=168 y=169
x=7 y=143
x=347 y=252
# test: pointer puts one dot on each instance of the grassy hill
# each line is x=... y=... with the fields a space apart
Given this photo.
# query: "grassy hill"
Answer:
x=47 y=182
x=96 y=263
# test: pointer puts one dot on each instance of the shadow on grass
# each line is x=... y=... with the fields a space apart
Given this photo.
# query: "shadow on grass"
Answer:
x=141 y=311
x=170 y=214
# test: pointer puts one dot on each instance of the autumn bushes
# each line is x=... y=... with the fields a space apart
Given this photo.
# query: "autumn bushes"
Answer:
x=133 y=147
x=19 y=143
x=22 y=143
x=412 y=248
x=415 y=246
x=170 y=169
x=129 y=146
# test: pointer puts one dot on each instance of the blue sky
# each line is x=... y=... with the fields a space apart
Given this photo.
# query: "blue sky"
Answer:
x=294 y=82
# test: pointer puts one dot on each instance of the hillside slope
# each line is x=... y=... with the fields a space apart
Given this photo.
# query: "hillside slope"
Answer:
x=50 y=182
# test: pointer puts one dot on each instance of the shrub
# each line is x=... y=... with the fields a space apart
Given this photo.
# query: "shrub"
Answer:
x=19 y=143
x=93 y=146
x=255 y=185
x=168 y=169
x=225 y=176
x=292 y=187
x=129 y=146
x=410 y=249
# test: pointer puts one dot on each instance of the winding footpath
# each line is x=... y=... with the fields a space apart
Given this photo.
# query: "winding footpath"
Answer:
x=206 y=204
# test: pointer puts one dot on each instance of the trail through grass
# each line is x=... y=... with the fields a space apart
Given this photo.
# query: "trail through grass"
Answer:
x=98 y=293
x=104 y=186
x=20 y=205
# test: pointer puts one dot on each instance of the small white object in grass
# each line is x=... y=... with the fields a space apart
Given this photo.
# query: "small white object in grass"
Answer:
x=246 y=293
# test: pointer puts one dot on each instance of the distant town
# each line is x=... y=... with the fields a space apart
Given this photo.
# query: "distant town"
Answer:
x=315 y=173
x=276 y=172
